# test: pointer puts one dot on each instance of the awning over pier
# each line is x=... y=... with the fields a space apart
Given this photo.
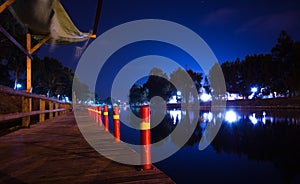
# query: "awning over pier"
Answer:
x=47 y=17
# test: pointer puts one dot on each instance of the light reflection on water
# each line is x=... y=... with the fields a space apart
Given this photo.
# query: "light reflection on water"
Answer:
x=265 y=143
x=175 y=115
x=267 y=140
x=231 y=116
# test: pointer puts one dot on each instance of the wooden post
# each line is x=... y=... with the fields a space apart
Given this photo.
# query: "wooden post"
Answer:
x=74 y=101
x=26 y=107
x=56 y=107
x=28 y=63
x=50 y=108
x=62 y=106
x=42 y=107
x=66 y=107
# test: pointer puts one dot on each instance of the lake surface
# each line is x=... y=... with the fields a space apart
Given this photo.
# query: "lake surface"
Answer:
x=252 y=146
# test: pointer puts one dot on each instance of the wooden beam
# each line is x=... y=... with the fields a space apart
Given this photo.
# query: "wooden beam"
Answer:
x=14 y=41
x=10 y=91
x=6 y=4
x=11 y=116
x=50 y=108
x=28 y=63
x=42 y=108
x=93 y=36
x=37 y=46
x=26 y=108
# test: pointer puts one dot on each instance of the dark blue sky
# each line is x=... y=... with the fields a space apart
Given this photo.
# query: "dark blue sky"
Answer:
x=232 y=28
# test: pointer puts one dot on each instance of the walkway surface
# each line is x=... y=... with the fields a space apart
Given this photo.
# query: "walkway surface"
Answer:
x=56 y=152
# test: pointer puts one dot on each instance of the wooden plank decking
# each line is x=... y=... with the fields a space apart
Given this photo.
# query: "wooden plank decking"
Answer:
x=56 y=152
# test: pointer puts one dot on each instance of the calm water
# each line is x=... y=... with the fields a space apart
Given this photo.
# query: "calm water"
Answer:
x=253 y=146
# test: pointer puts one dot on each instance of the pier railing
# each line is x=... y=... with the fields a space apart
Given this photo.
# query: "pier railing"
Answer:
x=24 y=105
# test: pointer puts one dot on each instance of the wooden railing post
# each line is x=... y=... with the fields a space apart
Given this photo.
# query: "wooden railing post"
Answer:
x=56 y=107
x=42 y=107
x=50 y=108
x=26 y=107
x=67 y=108
x=73 y=100
x=61 y=105
x=64 y=106
x=53 y=106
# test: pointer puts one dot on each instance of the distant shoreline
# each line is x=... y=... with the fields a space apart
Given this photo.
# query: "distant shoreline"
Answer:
x=274 y=103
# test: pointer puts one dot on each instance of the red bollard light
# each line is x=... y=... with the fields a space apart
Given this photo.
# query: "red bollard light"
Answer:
x=105 y=117
x=99 y=116
x=116 y=118
x=145 y=137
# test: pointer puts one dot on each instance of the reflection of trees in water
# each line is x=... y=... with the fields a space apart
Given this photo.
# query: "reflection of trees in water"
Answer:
x=185 y=126
x=277 y=142
x=162 y=130
x=274 y=142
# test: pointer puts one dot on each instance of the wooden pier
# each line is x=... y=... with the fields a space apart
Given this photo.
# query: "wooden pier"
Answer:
x=56 y=152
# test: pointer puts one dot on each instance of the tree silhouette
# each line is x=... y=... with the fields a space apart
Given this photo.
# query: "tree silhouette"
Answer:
x=14 y=57
x=216 y=80
x=4 y=75
x=158 y=84
x=197 y=78
x=233 y=76
x=282 y=55
x=137 y=94
x=275 y=72
x=51 y=77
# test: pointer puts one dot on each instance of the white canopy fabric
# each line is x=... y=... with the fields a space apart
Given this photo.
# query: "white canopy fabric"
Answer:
x=44 y=17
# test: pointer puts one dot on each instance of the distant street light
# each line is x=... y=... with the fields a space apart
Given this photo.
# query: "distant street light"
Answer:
x=254 y=89
x=19 y=86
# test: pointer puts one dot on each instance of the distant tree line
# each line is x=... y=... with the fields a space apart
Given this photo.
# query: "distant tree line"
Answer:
x=277 y=72
x=160 y=84
x=49 y=76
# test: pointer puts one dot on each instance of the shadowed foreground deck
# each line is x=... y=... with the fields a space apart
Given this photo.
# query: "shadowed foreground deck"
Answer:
x=56 y=152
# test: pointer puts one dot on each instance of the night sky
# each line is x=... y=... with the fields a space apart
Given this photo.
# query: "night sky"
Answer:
x=232 y=28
